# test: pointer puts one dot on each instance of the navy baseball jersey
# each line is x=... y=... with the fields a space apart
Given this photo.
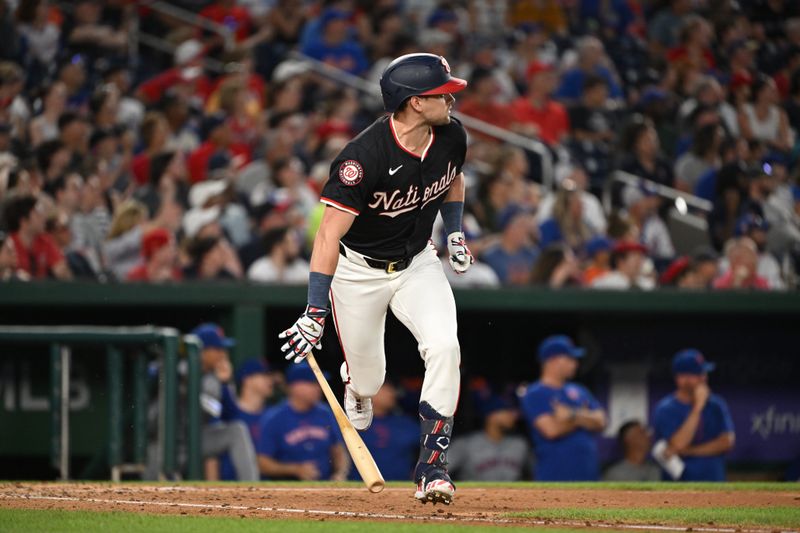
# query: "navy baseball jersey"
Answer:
x=394 y=193
x=289 y=436
x=572 y=457
x=715 y=419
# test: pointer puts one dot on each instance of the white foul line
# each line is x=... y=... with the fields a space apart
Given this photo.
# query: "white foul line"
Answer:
x=382 y=516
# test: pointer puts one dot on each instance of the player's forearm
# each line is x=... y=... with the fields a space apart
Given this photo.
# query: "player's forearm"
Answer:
x=341 y=463
x=716 y=446
x=593 y=420
x=272 y=468
x=325 y=254
x=683 y=437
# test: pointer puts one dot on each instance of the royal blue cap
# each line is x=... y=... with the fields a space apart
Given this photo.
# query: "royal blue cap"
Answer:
x=691 y=361
x=559 y=345
x=750 y=222
x=213 y=336
x=495 y=403
x=252 y=366
x=300 y=372
x=598 y=244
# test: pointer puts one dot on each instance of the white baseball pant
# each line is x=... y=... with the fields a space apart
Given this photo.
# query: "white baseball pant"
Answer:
x=421 y=298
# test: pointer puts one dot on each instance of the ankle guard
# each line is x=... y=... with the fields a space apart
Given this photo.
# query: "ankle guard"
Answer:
x=434 y=441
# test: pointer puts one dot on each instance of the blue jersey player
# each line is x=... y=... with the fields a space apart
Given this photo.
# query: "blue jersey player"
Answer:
x=695 y=423
x=563 y=417
x=299 y=437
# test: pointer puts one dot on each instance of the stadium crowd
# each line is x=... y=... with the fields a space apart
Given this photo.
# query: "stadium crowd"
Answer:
x=122 y=163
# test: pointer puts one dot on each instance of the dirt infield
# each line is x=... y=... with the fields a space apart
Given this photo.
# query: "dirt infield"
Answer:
x=473 y=505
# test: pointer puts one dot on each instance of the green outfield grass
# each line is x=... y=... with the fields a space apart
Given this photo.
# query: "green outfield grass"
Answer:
x=19 y=521
x=788 y=517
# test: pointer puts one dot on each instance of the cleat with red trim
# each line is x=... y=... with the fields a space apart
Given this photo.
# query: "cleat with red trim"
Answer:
x=358 y=409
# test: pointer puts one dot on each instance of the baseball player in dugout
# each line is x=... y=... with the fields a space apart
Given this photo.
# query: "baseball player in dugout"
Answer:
x=373 y=252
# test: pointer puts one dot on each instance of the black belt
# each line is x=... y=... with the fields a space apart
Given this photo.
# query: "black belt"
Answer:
x=386 y=265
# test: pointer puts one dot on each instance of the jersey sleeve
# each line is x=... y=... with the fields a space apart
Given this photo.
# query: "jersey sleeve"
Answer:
x=535 y=404
x=589 y=400
x=726 y=421
x=665 y=422
x=269 y=435
x=351 y=180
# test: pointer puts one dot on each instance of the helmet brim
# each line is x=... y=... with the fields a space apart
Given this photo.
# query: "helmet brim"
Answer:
x=453 y=85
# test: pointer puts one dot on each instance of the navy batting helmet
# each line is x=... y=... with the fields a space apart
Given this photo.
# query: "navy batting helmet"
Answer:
x=417 y=75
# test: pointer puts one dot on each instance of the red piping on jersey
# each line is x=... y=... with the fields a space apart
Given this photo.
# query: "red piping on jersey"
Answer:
x=339 y=335
x=406 y=150
x=337 y=205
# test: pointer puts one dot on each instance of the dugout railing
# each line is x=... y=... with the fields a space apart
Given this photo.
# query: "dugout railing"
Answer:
x=169 y=344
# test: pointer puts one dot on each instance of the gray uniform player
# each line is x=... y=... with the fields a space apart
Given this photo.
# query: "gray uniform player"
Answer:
x=373 y=253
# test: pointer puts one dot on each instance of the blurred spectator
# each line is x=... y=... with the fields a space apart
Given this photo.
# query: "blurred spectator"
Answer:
x=255 y=384
x=512 y=258
x=556 y=267
x=9 y=271
x=154 y=133
x=160 y=255
x=207 y=260
x=665 y=26
x=592 y=215
x=37 y=253
x=44 y=127
x=627 y=262
x=567 y=224
x=281 y=262
x=593 y=130
x=482 y=102
x=537 y=114
x=220 y=436
x=763 y=118
x=703 y=157
x=695 y=422
x=635 y=441
x=227 y=13
x=299 y=437
x=641 y=204
x=123 y=244
x=335 y=45
x=695 y=272
x=562 y=416
x=392 y=438
x=591 y=61
x=598 y=252
x=742 y=255
x=642 y=155
x=547 y=13
x=755 y=228
x=491 y=454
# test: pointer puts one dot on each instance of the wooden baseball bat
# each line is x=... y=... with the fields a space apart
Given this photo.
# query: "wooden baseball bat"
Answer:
x=363 y=460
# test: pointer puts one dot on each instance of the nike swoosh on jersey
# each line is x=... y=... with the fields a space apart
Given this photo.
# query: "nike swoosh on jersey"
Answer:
x=393 y=171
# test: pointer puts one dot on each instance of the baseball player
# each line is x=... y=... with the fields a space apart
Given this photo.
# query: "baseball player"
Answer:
x=373 y=253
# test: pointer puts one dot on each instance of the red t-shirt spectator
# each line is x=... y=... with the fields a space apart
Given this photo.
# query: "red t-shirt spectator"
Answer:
x=551 y=119
x=726 y=281
x=39 y=260
x=139 y=273
x=153 y=90
x=493 y=113
x=236 y=18
x=198 y=160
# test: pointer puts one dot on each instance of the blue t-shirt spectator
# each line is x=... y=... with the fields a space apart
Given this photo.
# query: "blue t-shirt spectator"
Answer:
x=572 y=457
x=291 y=437
x=572 y=84
x=715 y=420
x=507 y=264
x=348 y=55
x=393 y=441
